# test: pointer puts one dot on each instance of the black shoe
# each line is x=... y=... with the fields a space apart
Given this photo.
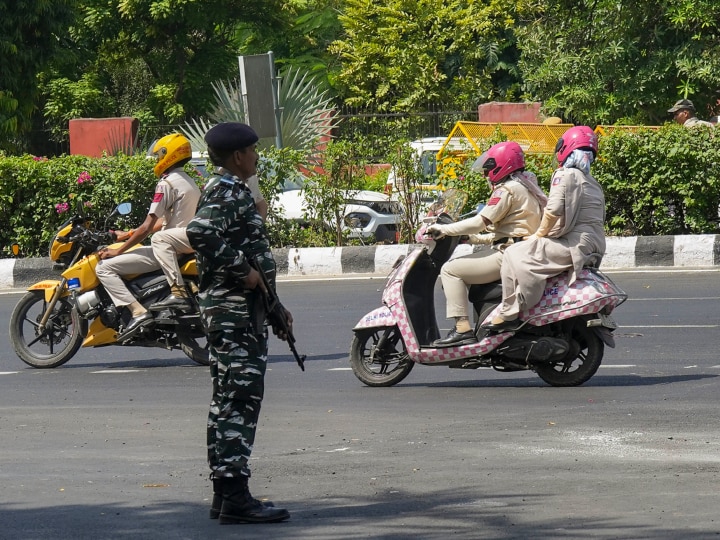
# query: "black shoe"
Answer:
x=217 y=499
x=505 y=326
x=238 y=506
x=172 y=301
x=455 y=338
x=134 y=326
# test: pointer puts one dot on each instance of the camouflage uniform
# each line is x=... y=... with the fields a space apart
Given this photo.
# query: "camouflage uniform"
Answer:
x=225 y=232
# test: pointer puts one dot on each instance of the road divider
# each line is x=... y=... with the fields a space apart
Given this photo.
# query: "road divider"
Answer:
x=689 y=251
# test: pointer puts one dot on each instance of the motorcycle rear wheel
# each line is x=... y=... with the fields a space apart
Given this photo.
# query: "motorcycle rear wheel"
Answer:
x=195 y=348
x=379 y=367
x=581 y=362
x=52 y=347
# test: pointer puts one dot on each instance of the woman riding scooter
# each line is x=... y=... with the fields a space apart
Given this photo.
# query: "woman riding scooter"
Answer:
x=572 y=232
x=513 y=211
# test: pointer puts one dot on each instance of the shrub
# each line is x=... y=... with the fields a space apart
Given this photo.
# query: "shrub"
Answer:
x=37 y=194
x=663 y=181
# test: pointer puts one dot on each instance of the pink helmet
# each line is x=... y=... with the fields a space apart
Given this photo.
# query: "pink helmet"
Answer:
x=498 y=161
x=576 y=137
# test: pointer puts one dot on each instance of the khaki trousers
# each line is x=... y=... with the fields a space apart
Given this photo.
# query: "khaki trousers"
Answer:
x=166 y=245
x=474 y=269
x=137 y=261
x=161 y=255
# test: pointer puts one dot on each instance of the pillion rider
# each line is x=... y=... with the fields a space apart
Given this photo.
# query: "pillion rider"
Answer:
x=172 y=207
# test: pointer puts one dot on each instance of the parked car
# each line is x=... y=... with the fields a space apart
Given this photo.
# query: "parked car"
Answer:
x=368 y=214
x=427 y=152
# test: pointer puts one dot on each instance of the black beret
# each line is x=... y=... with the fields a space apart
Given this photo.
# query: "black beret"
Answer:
x=230 y=136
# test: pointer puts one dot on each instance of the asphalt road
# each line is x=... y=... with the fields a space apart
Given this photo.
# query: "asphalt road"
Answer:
x=111 y=445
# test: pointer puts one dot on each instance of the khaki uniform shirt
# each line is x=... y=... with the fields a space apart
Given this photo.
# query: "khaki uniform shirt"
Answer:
x=511 y=209
x=696 y=122
x=175 y=199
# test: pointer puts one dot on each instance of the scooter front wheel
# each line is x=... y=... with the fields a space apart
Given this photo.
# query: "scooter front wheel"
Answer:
x=378 y=356
x=51 y=346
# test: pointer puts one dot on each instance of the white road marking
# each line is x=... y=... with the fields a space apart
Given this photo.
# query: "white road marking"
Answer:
x=8 y=372
x=117 y=371
x=618 y=366
x=670 y=326
x=621 y=366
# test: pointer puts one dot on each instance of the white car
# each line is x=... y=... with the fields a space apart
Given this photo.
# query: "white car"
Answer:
x=367 y=214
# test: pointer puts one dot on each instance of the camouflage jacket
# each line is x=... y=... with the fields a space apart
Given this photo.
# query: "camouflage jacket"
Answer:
x=225 y=232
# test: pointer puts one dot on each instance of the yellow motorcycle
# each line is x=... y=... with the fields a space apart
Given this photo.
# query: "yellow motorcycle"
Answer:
x=55 y=318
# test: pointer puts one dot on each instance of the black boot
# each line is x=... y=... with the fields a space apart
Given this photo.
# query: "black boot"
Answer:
x=238 y=506
x=217 y=499
x=172 y=301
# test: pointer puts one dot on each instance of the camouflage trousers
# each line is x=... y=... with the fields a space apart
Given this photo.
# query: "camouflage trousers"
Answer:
x=238 y=358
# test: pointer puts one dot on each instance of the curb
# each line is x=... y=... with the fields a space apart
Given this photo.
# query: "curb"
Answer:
x=687 y=251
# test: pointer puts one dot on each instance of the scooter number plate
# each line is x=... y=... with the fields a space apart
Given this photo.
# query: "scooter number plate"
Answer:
x=607 y=321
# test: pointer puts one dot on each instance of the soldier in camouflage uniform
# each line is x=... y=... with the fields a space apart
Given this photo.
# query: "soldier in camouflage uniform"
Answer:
x=226 y=232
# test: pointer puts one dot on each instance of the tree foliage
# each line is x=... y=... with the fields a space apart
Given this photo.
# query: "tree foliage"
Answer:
x=31 y=33
x=400 y=55
x=309 y=26
x=154 y=59
x=603 y=61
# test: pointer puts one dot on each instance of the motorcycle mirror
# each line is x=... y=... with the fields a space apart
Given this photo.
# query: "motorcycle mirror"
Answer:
x=124 y=208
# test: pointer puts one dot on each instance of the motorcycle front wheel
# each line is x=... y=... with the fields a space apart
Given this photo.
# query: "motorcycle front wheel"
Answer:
x=56 y=343
x=580 y=363
x=378 y=356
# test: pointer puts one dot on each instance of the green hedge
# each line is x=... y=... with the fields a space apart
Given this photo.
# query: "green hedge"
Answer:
x=664 y=181
x=37 y=195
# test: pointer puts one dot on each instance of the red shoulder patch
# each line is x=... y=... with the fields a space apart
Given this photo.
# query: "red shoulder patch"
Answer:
x=158 y=197
x=495 y=197
x=556 y=180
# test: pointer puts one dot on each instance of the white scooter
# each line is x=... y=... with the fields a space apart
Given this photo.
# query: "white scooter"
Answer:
x=562 y=338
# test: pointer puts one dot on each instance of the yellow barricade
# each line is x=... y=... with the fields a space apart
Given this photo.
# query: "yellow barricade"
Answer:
x=607 y=129
x=532 y=137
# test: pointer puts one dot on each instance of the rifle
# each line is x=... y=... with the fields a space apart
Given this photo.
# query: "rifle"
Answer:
x=276 y=314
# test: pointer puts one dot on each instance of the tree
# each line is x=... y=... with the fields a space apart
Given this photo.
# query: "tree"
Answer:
x=602 y=61
x=306 y=113
x=155 y=59
x=310 y=26
x=400 y=55
x=31 y=33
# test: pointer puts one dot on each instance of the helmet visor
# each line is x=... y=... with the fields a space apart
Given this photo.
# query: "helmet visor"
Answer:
x=483 y=164
x=152 y=153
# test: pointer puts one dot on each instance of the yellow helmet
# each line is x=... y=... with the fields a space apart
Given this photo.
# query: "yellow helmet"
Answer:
x=170 y=151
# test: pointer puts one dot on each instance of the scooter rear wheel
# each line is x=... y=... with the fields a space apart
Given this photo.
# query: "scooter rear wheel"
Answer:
x=581 y=362
x=378 y=356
